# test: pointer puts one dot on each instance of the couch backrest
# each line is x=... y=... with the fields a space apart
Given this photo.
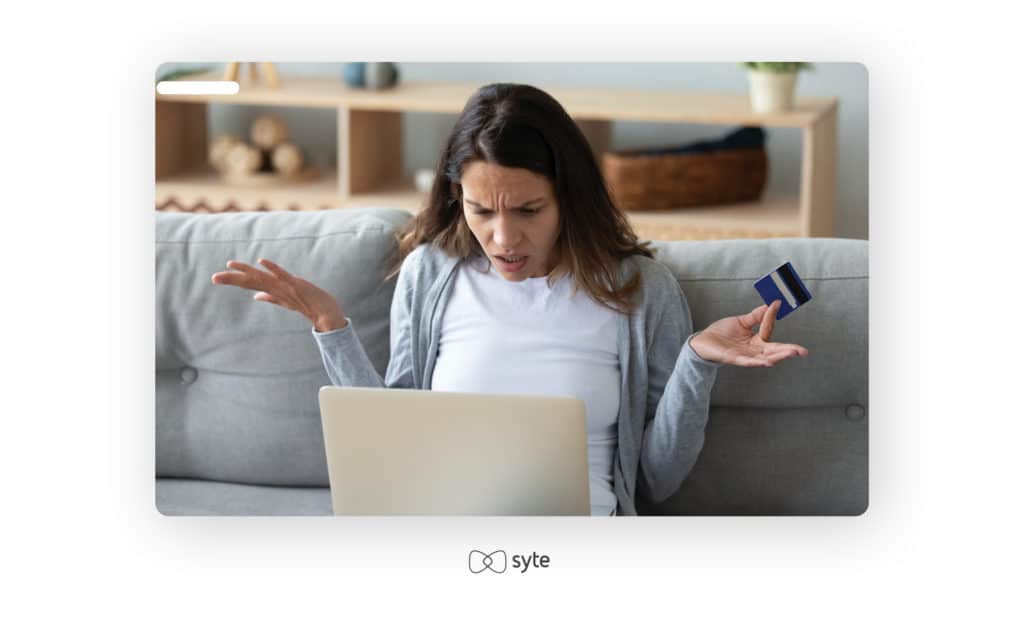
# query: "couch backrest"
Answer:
x=236 y=380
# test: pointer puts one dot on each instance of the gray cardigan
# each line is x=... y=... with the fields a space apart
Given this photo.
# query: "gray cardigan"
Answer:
x=665 y=390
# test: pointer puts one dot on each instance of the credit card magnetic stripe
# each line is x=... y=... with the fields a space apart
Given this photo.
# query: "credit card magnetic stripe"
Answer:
x=783 y=289
x=795 y=287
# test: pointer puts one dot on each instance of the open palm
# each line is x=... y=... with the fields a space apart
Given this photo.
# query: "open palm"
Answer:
x=277 y=286
x=733 y=340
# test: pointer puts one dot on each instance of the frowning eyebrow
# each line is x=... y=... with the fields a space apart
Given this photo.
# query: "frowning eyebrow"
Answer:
x=482 y=207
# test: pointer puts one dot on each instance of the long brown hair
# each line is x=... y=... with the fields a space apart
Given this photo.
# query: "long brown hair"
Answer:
x=523 y=127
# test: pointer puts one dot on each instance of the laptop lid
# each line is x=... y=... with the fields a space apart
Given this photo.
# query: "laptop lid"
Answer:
x=403 y=451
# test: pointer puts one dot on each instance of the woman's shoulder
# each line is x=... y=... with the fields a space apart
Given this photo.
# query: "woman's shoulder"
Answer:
x=655 y=276
x=659 y=289
x=425 y=263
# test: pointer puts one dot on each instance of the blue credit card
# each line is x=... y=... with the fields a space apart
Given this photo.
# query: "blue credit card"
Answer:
x=783 y=284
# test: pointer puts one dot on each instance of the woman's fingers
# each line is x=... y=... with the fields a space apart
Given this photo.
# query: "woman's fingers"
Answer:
x=244 y=268
x=246 y=276
x=777 y=352
x=777 y=357
x=768 y=321
x=275 y=286
x=290 y=285
x=263 y=296
x=789 y=348
x=276 y=269
x=240 y=273
x=233 y=278
x=752 y=318
x=767 y=355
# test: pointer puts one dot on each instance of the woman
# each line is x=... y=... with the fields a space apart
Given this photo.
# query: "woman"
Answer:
x=522 y=276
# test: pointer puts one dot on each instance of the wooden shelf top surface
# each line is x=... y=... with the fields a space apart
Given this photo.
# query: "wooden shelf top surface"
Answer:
x=772 y=216
x=581 y=103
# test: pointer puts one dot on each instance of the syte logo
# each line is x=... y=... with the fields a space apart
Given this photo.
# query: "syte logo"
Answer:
x=497 y=561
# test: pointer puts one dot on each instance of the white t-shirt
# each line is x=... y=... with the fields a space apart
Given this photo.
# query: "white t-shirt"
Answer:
x=526 y=338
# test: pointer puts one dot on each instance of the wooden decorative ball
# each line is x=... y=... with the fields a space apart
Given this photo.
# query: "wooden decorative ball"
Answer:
x=287 y=159
x=268 y=131
x=241 y=159
x=219 y=151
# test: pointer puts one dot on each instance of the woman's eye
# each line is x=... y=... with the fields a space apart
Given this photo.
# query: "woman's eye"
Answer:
x=522 y=211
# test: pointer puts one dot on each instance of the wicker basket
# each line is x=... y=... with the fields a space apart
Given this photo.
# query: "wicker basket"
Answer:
x=640 y=181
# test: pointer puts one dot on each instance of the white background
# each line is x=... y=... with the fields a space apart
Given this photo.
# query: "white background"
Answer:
x=81 y=536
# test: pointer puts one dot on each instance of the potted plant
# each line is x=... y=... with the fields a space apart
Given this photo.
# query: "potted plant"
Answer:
x=773 y=84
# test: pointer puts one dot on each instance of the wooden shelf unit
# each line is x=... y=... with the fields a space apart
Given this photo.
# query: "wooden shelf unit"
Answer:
x=370 y=169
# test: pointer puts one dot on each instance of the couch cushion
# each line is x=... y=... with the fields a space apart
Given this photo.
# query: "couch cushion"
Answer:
x=777 y=461
x=201 y=497
x=237 y=380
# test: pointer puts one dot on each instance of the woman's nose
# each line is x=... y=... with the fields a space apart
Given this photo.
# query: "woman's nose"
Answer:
x=505 y=233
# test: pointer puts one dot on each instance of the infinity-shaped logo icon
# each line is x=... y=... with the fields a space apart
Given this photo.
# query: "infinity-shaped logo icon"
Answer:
x=495 y=561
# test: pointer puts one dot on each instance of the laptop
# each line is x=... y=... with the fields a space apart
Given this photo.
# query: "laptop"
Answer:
x=415 y=452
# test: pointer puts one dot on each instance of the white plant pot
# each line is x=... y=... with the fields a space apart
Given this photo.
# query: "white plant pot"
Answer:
x=772 y=92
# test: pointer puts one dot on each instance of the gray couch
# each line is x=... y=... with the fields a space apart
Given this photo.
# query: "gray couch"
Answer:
x=238 y=426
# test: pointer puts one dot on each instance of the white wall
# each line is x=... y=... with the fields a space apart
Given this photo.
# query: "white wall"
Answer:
x=425 y=133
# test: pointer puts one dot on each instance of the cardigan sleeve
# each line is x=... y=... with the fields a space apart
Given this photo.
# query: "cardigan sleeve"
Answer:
x=345 y=358
x=679 y=386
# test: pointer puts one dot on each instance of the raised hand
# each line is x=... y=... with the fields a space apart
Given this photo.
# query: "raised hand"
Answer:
x=279 y=287
x=733 y=341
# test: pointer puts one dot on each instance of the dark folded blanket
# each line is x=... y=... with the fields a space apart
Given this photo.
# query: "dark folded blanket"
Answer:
x=745 y=138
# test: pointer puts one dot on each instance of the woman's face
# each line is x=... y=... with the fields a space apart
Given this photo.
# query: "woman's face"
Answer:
x=513 y=214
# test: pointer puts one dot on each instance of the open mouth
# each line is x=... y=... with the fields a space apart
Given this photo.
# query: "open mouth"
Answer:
x=511 y=263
